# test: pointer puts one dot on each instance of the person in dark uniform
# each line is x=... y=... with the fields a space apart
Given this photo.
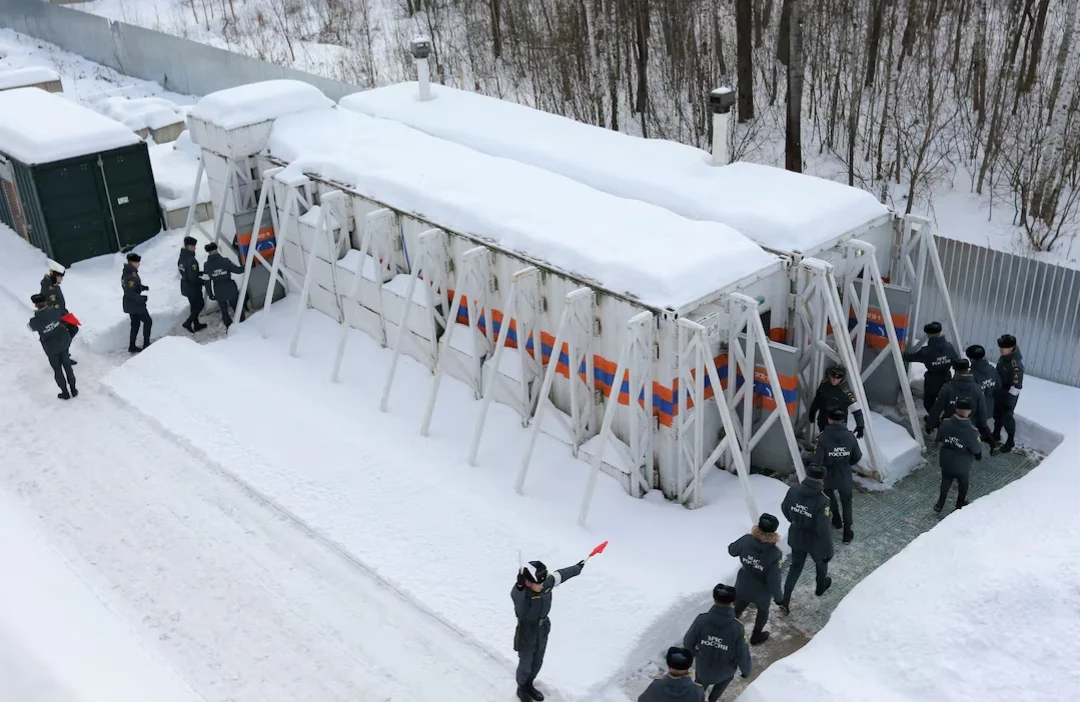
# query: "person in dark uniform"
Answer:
x=532 y=603
x=1010 y=368
x=960 y=448
x=986 y=376
x=759 y=577
x=219 y=272
x=937 y=355
x=55 y=340
x=135 y=302
x=54 y=296
x=718 y=642
x=832 y=393
x=807 y=508
x=962 y=385
x=838 y=450
x=191 y=284
x=677 y=685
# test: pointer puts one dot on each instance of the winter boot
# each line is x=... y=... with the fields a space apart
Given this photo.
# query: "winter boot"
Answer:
x=64 y=395
x=535 y=694
x=73 y=361
x=74 y=392
x=198 y=326
x=785 y=607
x=961 y=505
x=821 y=591
x=837 y=523
x=523 y=694
x=1008 y=446
x=132 y=348
x=848 y=536
x=759 y=638
x=939 y=506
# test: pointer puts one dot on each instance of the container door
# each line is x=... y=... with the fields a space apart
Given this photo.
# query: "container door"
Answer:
x=129 y=184
x=71 y=199
x=7 y=192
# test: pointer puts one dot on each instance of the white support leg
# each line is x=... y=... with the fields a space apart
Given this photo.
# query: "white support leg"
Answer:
x=354 y=289
x=195 y=196
x=265 y=195
x=281 y=232
x=309 y=277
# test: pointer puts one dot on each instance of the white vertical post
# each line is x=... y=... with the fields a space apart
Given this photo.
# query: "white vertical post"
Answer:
x=264 y=197
x=281 y=232
x=343 y=333
x=195 y=196
x=721 y=101
x=750 y=370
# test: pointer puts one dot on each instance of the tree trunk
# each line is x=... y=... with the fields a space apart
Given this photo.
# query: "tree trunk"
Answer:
x=1062 y=59
x=793 y=145
x=1037 y=43
x=641 y=26
x=744 y=38
x=783 y=33
x=877 y=14
x=496 y=27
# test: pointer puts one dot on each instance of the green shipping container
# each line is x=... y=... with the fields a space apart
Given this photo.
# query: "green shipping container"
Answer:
x=82 y=207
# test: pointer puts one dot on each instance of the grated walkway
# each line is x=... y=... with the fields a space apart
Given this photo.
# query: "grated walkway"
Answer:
x=885 y=522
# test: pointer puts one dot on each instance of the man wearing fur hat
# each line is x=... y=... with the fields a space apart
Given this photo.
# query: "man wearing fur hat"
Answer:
x=55 y=341
x=532 y=603
x=677 y=685
x=838 y=450
x=986 y=376
x=962 y=385
x=191 y=284
x=937 y=355
x=960 y=448
x=1010 y=368
x=718 y=642
x=807 y=508
x=54 y=296
x=135 y=302
x=759 y=577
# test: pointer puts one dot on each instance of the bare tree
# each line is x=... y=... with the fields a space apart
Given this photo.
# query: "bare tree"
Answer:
x=793 y=144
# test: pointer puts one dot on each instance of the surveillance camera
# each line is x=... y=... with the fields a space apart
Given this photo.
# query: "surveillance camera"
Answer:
x=420 y=47
x=722 y=100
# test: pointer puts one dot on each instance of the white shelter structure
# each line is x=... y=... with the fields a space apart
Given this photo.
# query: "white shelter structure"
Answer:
x=540 y=292
x=800 y=217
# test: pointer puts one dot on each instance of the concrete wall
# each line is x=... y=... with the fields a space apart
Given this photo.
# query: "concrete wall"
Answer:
x=180 y=65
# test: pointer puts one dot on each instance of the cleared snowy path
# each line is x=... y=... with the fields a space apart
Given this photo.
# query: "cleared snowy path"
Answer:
x=243 y=604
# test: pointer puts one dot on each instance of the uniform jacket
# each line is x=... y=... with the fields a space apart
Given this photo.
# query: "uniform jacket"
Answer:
x=134 y=300
x=831 y=396
x=759 y=577
x=667 y=688
x=718 y=641
x=959 y=446
x=938 y=356
x=532 y=608
x=53 y=294
x=190 y=279
x=807 y=508
x=53 y=335
x=219 y=270
x=962 y=385
x=986 y=377
x=1011 y=376
x=837 y=449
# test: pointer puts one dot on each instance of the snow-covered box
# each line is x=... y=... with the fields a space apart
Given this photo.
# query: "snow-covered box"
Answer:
x=150 y=117
x=75 y=183
x=41 y=77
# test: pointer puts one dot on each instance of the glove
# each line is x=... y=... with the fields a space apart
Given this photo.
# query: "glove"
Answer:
x=744 y=675
x=859 y=431
x=581 y=563
x=978 y=457
x=211 y=296
x=146 y=287
x=520 y=581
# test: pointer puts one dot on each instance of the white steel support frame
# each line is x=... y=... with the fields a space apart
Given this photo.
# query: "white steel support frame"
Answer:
x=379 y=227
x=431 y=261
x=818 y=306
x=333 y=216
x=743 y=313
x=917 y=248
x=861 y=259
x=635 y=362
x=296 y=194
x=575 y=329
x=472 y=284
x=694 y=362
x=522 y=304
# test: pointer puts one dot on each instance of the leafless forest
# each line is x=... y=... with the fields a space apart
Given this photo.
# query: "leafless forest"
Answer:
x=901 y=97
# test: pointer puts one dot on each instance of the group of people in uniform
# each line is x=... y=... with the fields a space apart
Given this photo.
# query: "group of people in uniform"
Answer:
x=961 y=395
x=217 y=279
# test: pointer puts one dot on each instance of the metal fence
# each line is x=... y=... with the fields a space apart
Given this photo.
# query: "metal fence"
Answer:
x=178 y=64
x=995 y=293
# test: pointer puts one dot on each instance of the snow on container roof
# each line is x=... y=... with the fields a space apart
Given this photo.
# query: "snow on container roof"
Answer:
x=141 y=113
x=626 y=247
x=253 y=103
x=30 y=75
x=779 y=210
x=40 y=127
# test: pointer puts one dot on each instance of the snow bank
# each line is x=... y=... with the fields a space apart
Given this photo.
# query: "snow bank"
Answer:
x=413 y=512
x=58 y=642
x=175 y=166
x=92 y=287
x=30 y=75
x=984 y=607
x=141 y=113
x=39 y=127
x=258 y=102
x=779 y=210
x=625 y=246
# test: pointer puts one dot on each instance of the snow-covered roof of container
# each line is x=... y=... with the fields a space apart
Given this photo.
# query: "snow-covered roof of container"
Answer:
x=30 y=75
x=779 y=210
x=624 y=246
x=40 y=127
x=253 y=103
x=141 y=113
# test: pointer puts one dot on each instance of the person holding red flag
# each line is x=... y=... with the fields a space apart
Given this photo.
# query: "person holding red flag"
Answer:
x=54 y=297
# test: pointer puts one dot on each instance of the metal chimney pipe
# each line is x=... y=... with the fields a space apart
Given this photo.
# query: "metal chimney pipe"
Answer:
x=420 y=48
x=721 y=101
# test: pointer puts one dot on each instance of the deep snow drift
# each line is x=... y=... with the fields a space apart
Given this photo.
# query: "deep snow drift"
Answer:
x=985 y=607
